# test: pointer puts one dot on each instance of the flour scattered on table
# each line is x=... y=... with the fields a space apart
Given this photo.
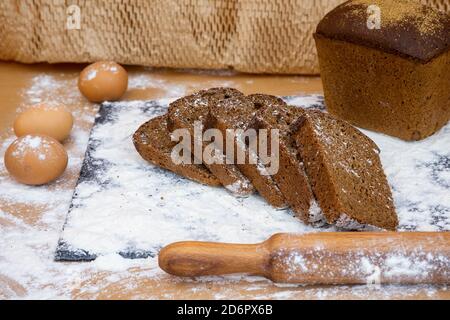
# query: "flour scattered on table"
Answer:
x=145 y=81
x=30 y=232
x=418 y=174
x=31 y=218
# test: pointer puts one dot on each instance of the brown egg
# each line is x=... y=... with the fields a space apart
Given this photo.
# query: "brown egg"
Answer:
x=103 y=81
x=47 y=119
x=35 y=159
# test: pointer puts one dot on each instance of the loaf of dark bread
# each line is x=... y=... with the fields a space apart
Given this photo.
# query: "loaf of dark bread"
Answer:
x=152 y=141
x=291 y=178
x=235 y=113
x=184 y=112
x=345 y=172
x=393 y=77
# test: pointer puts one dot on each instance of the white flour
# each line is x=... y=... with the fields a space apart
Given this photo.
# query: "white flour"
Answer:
x=143 y=81
x=160 y=207
x=379 y=267
x=418 y=173
x=27 y=247
x=27 y=267
x=30 y=143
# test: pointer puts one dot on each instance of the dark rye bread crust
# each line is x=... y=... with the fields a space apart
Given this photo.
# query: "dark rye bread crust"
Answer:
x=407 y=28
x=394 y=80
x=236 y=113
x=185 y=111
x=152 y=141
x=345 y=172
x=291 y=177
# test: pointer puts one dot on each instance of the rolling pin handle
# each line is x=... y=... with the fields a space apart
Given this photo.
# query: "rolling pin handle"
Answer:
x=191 y=258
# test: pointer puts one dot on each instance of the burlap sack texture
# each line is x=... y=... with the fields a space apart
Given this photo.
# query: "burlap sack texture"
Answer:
x=257 y=36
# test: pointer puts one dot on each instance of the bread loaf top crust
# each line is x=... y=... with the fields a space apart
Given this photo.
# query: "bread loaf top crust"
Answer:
x=406 y=28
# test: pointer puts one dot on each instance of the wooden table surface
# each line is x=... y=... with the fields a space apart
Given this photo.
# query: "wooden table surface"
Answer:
x=138 y=282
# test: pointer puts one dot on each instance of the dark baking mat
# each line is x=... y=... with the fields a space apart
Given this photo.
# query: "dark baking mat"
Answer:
x=124 y=205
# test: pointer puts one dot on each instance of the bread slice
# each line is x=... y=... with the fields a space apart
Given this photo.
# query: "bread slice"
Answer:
x=291 y=178
x=345 y=172
x=153 y=143
x=183 y=113
x=235 y=113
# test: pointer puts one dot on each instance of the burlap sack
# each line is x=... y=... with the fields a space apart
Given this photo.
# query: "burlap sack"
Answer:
x=258 y=36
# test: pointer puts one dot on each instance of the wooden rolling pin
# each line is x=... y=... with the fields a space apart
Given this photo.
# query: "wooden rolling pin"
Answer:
x=320 y=258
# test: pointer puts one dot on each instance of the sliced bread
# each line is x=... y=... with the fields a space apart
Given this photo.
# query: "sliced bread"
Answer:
x=345 y=172
x=235 y=113
x=184 y=112
x=153 y=143
x=291 y=178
